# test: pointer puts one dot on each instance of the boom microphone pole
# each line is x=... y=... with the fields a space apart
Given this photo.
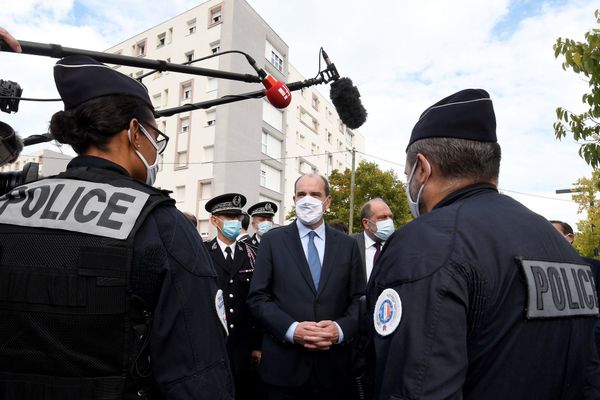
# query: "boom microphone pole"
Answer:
x=58 y=51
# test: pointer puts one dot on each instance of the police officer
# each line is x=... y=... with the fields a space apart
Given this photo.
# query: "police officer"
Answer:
x=478 y=297
x=262 y=219
x=105 y=289
x=234 y=263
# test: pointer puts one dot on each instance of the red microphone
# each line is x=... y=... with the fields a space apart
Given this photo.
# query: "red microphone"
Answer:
x=277 y=92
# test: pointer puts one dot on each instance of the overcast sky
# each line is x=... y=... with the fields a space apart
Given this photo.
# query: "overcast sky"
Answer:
x=403 y=56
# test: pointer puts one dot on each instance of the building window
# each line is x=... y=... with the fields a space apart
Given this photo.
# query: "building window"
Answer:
x=274 y=56
x=189 y=56
x=300 y=139
x=179 y=194
x=277 y=61
x=138 y=74
x=214 y=16
x=341 y=126
x=186 y=92
x=272 y=116
x=191 y=26
x=205 y=190
x=211 y=118
x=165 y=97
x=305 y=118
x=139 y=49
x=329 y=137
x=183 y=135
x=215 y=47
x=315 y=102
x=181 y=159
x=203 y=228
x=270 y=177
x=170 y=35
x=211 y=84
x=271 y=146
x=160 y=40
x=157 y=100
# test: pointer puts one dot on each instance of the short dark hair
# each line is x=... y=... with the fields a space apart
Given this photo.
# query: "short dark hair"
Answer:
x=459 y=158
x=245 y=221
x=325 y=182
x=339 y=225
x=96 y=121
x=191 y=217
x=365 y=211
x=566 y=228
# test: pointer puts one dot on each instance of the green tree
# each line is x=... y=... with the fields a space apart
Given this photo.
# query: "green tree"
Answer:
x=584 y=59
x=369 y=182
x=587 y=240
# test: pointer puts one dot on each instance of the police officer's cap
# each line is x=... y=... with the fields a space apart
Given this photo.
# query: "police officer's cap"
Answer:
x=228 y=204
x=263 y=209
x=81 y=78
x=468 y=114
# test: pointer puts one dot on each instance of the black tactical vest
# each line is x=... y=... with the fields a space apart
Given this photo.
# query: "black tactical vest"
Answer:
x=70 y=328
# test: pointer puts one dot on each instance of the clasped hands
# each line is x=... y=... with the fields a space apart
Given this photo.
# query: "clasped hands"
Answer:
x=316 y=335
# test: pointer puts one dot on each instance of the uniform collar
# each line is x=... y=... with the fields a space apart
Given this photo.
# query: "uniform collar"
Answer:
x=466 y=192
x=96 y=162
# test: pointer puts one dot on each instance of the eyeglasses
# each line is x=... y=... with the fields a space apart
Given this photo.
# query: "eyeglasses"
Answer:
x=160 y=143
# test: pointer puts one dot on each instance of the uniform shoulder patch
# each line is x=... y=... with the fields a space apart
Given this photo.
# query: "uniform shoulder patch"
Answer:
x=220 y=307
x=388 y=312
x=558 y=289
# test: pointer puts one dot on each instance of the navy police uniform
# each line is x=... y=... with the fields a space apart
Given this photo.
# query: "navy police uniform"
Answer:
x=172 y=282
x=481 y=298
x=106 y=291
x=234 y=280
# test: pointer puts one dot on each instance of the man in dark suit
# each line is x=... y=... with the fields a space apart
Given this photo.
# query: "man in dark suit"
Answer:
x=234 y=264
x=309 y=312
x=378 y=223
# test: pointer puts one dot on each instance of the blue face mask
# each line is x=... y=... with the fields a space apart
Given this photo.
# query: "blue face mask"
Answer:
x=231 y=229
x=384 y=229
x=264 y=227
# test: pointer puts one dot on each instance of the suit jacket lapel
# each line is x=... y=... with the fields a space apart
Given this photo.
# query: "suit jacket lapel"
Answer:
x=331 y=245
x=297 y=253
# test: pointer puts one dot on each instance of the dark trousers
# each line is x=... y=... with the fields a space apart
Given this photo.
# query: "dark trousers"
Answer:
x=311 y=390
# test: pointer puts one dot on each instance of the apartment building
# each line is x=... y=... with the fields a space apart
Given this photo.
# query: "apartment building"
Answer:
x=249 y=146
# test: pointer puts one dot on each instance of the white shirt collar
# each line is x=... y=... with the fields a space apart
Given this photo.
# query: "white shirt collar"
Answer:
x=370 y=242
x=223 y=246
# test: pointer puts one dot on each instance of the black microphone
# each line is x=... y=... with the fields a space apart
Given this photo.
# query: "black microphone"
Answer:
x=11 y=145
x=346 y=99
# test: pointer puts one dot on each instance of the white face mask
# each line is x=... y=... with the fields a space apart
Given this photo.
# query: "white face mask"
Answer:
x=151 y=170
x=413 y=205
x=309 y=210
x=384 y=229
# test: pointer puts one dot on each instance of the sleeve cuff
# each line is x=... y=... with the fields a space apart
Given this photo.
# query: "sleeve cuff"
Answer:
x=340 y=331
x=289 y=335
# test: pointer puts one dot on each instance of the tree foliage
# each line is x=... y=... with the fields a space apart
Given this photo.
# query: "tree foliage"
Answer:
x=584 y=59
x=369 y=182
x=588 y=238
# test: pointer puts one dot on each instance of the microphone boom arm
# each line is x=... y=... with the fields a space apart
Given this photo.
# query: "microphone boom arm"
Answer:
x=327 y=75
x=58 y=51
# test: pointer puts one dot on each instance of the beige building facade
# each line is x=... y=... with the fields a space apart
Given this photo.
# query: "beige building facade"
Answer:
x=249 y=146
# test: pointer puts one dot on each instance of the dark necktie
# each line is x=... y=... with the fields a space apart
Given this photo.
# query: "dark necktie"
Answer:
x=377 y=252
x=228 y=259
x=314 y=262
